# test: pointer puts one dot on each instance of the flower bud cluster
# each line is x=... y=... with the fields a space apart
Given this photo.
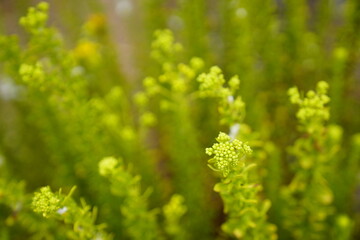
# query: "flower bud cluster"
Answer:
x=32 y=74
x=211 y=84
x=227 y=154
x=46 y=202
x=87 y=51
x=312 y=110
x=36 y=17
x=96 y=25
x=164 y=47
x=107 y=166
x=173 y=212
x=231 y=107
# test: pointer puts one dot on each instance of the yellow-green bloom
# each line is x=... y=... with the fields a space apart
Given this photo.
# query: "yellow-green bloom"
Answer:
x=107 y=166
x=46 y=202
x=227 y=153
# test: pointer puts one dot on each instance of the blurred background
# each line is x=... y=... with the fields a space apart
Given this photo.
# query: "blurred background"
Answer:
x=286 y=42
x=271 y=45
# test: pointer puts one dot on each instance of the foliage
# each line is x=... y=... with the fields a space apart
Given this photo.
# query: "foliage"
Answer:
x=139 y=222
x=246 y=213
x=280 y=169
x=61 y=207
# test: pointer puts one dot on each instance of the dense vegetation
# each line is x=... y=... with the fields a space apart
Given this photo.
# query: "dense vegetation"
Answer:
x=241 y=121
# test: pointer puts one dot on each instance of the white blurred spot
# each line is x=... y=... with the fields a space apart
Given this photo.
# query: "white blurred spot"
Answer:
x=175 y=22
x=98 y=237
x=230 y=99
x=18 y=206
x=234 y=130
x=63 y=210
x=241 y=12
x=8 y=90
x=124 y=7
x=77 y=71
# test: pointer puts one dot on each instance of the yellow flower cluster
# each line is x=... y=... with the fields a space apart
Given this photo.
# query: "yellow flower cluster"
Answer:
x=211 y=84
x=227 y=154
x=87 y=51
x=312 y=110
x=107 y=166
x=46 y=202
x=36 y=17
x=164 y=47
x=32 y=75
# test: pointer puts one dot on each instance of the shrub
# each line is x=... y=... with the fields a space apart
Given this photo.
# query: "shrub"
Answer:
x=144 y=156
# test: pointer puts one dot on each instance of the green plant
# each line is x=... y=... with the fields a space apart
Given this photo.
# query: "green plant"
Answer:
x=71 y=96
x=63 y=208
x=246 y=212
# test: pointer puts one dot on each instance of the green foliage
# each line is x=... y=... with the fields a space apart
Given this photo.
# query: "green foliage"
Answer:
x=64 y=208
x=170 y=98
x=246 y=212
x=312 y=111
x=173 y=212
x=71 y=98
x=138 y=220
x=231 y=107
x=309 y=198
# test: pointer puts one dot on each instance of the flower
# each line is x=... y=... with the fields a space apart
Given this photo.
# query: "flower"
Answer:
x=46 y=202
x=107 y=166
x=227 y=153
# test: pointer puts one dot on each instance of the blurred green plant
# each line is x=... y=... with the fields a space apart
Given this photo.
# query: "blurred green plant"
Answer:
x=66 y=104
x=64 y=208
